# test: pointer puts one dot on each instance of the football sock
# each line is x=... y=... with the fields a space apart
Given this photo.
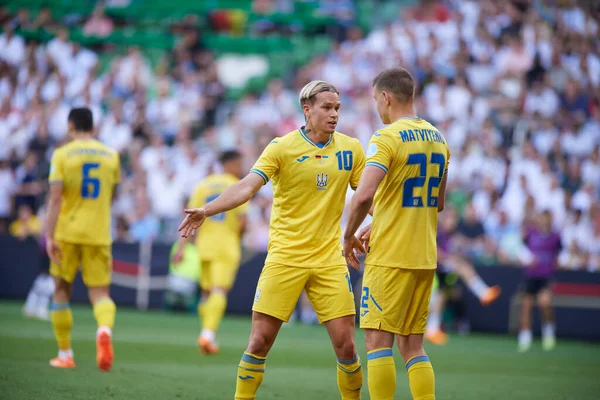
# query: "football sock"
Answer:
x=477 y=286
x=548 y=330
x=214 y=309
x=62 y=323
x=104 y=312
x=349 y=378
x=250 y=375
x=420 y=377
x=201 y=308
x=381 y=374
x=525 y=336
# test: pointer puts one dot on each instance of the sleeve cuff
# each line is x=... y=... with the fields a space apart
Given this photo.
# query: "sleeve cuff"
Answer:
x=262 y=174
x=378 y=165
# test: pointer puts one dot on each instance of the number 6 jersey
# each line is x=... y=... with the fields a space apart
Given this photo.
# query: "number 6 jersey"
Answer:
x=88 y=171
x=415 y=157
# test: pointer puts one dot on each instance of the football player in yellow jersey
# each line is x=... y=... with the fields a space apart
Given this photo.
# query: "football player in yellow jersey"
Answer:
x=219 y=246
x=83 y=175
x=311 y=169
x=405 y=179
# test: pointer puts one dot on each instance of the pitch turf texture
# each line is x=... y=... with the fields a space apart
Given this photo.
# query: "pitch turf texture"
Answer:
x=156 y=358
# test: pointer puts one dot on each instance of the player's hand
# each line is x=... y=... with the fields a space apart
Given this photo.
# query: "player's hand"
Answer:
x=364 y=236
x=53 y=251
x=350 y=245
x=193 y=220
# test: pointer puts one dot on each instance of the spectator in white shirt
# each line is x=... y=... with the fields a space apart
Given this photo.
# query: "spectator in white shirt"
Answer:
x=12 y=47
x=114 y=131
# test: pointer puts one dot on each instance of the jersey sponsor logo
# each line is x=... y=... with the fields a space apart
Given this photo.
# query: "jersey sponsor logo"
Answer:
x=301 y=159
x=372 y=150
x=322 y=181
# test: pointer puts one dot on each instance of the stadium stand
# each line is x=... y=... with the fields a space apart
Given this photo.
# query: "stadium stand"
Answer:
x=514 y=87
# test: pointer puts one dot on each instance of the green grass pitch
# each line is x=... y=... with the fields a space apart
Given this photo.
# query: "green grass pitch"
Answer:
x=156 y=358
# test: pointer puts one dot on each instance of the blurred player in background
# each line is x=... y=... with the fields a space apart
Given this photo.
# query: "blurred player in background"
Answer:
x=311 y=169
x=545 y=246
x=219 y=246
x=83 y=176
x=449 y=264
x=405 y=178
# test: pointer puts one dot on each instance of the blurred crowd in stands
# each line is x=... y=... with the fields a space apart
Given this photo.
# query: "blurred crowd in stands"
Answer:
x=514 y=87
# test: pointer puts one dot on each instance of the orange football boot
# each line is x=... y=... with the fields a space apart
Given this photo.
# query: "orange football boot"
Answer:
x=490 y=295
x=104 y=351
x=438 y=337
x=207 y=346
x=58 y=362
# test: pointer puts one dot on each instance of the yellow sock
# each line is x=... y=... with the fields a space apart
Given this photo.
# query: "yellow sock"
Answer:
x=382 y=374
x=62 y=323
x=104 y=312
x=349 y=378
x=214 y=309
x=201 y=308
x=421 y=378
x=250 y=375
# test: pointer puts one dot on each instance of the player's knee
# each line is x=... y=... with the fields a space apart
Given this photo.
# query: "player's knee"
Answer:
x=219 y=290
x=410 y=346
x=97 y=293
x=345 y=349
x=62 y=291
x=259 y=344
x=544 y=300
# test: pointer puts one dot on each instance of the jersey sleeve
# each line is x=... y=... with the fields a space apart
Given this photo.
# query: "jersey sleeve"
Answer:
x=268 y=163
x=57 y=172
x=379 y=152
x=359 y=166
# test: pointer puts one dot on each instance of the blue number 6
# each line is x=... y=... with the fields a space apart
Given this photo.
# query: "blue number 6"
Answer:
x=88 y=182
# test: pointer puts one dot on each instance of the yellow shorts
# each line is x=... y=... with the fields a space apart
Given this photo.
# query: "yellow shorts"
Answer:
x=95 y=262
x=396 y=300
x=216 y=273
x=328 y=288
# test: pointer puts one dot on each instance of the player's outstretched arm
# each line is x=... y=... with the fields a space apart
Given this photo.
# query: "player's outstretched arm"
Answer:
x=234 y=196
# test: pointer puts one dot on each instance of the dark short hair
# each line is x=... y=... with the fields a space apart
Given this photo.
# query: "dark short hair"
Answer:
x=82 y=119
x=398 y=82
x=229 y=155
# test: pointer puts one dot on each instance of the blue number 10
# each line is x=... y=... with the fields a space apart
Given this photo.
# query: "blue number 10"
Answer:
x=344 y=160
x=420 y=159
x=90 y=187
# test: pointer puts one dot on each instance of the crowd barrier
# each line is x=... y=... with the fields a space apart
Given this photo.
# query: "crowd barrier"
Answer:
x=140 y=271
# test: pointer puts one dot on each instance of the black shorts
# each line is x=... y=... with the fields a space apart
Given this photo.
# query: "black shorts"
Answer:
x=446 y=278
x=534 y=285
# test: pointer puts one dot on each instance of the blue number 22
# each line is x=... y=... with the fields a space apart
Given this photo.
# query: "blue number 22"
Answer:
x=420 y=159
x=90 y=187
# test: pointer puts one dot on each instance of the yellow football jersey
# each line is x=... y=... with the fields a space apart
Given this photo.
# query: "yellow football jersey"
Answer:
x=219 y=236
x=309 y=188
x=415 y=157
x=89 y=171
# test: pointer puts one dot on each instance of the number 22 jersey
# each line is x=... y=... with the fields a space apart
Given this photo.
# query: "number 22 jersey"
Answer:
x=415 y=157
x=89 y=171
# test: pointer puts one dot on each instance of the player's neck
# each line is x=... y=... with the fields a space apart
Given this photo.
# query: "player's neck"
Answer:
x=402 y=111
x=314 y=135
x=83 y=136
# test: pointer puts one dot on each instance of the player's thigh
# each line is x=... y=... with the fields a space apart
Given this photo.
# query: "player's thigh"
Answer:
x=278 y=290
x=223 y=273
x=206 y=269
x=330 y=292
x=96 y=265
x=396 y=300
x=69 y=263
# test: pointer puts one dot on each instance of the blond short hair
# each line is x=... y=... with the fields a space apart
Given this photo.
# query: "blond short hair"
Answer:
x=309 y=92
